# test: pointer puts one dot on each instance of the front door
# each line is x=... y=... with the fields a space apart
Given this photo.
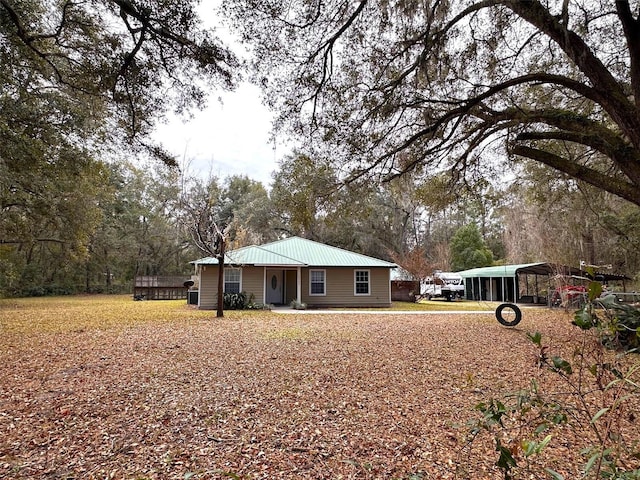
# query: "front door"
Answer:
x=274 y=287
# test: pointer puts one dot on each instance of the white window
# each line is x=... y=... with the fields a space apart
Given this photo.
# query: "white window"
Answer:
x=361 y=286
x=232 y=278
x=317 y=282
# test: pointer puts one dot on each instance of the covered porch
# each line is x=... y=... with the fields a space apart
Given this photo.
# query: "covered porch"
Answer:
x=282 y=285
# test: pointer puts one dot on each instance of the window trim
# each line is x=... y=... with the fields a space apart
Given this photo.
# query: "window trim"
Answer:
x=356 y=282
x=224 y=279
x=324 y=283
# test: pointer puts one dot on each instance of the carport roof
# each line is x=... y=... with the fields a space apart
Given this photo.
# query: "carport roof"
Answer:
x=534 y=269
x=512 y=270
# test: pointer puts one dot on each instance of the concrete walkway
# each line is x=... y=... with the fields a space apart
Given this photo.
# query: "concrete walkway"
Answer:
x=289 y=311
x=285 y=309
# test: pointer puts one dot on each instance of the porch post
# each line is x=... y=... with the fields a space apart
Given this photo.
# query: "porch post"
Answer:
x=299 y=285
x=264 y=286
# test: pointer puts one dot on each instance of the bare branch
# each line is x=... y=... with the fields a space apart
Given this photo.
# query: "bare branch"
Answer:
x=612 y=97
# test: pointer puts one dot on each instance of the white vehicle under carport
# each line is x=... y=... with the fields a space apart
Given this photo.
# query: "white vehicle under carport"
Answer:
x=447 y=285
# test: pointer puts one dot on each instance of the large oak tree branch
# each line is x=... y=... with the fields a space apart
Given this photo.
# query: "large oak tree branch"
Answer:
x=578 y=129
x=613 y=97
x=468 y=105
x=622 y=156
x=631 y=28
x=624 y=189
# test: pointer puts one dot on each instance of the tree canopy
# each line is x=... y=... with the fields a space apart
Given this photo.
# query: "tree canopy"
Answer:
x=386 y=87
x=110 y=69
x=415 y=93
x=468 y=249
x=83 y=83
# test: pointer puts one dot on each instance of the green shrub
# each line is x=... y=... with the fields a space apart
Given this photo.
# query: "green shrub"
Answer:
x=617 y=323
x=241 y=301
x=296 y=305
x=600 y=395
x=235 y=301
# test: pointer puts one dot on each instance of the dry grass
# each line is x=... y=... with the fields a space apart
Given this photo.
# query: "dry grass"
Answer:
x=104 y=387
x=75 y=313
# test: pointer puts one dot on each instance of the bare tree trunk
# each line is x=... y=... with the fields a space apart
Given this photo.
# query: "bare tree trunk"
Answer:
x=219 y=312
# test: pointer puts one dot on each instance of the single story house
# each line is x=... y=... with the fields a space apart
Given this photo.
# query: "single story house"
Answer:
x=296 y=269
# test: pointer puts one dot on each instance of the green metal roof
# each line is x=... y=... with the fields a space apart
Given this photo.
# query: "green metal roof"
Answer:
x=505 y=270
x=294 y=252
x=533 y=269
x=253 y=255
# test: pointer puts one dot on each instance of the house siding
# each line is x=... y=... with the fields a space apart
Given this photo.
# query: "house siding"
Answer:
x=208 y=293
x=251 y=283
x=340 y=287
x=290 y=286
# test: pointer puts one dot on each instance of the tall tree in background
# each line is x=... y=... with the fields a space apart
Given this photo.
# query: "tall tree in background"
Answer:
x=147 y=237
x=223 y=215
x=376 y=220
x=92 y=231
x=468 y=249
x=553 y=218
x=302 y=192
x=247 y=209
x=81 y=83
x=47 y=217
x=209 y=224
x=388 y=86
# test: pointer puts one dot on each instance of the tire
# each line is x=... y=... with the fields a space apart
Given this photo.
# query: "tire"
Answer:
x=503 y=320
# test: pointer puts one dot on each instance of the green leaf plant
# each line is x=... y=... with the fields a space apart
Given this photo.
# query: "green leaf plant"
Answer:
x=596 y=402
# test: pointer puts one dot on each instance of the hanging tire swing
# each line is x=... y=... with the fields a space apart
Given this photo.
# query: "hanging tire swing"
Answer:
x=508 y=314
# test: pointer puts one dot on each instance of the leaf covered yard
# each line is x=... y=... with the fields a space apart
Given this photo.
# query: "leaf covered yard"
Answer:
x=99 y=388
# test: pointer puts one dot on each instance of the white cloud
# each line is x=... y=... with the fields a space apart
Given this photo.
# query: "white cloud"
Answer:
x=229 y=137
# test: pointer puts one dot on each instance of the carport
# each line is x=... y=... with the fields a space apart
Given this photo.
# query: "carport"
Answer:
x=522 y=283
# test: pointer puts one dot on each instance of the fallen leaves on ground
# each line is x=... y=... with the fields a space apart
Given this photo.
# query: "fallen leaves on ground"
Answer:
x=265 y=395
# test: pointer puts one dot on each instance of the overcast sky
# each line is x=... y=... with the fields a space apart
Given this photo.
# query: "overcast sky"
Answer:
x=228 y=138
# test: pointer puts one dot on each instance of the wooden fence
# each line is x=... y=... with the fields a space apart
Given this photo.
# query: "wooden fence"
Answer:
x=153 y=287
